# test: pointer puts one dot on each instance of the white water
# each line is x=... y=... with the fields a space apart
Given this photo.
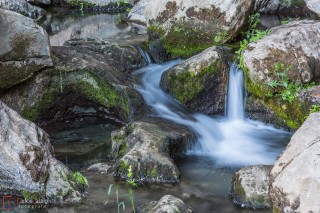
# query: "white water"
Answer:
x=233 y=140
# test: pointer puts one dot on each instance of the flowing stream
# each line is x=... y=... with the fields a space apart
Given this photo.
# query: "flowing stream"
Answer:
x=233 y=140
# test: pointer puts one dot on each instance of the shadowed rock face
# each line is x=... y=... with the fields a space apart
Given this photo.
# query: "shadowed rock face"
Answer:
x=149 y=148
x=295 y=176
x=90 y=78
x=27 y=162
x=168 y=203
x=24 y=49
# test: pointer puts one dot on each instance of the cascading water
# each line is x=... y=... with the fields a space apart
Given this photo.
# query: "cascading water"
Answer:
x=232 y=140
x=235 y=104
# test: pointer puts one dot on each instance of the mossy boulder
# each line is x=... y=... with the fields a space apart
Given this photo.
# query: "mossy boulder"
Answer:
x=28 y=167
x=90 y=79
x=250 y=187
x=200 y=81
x=190 y=27
x=279 y=66
x=148 y=148
x=280 y=6
x=24 y=49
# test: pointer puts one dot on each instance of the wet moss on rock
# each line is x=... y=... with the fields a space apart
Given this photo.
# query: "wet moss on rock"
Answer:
x=189 y=84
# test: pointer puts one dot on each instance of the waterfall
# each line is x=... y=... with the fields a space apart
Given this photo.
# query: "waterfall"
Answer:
x=231 y=140
x=236 y=92
x=145 y=55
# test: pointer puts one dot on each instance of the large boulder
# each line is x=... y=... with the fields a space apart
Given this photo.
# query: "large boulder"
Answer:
x=295 y=176
x=167 y=203
x=199 y=82
x=148 y=148
x=250 y=187
x=27 y=162
x=288 y=55
x=24 y=49
x=22 y=7
x=40 y=2
x=187 y=26
x=90 y=78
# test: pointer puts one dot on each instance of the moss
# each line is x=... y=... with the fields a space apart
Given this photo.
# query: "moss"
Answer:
x=298 y=3
x=292 y=113
x=276 y=210
x=188 y=84
x=33 y=112
x=154 y=173
x=124 y=165
x=82 y=4
x=102 y=94
x=123 y=150
x=260 y=199
x=86 y=83
x=30 y=196
x=184 y=41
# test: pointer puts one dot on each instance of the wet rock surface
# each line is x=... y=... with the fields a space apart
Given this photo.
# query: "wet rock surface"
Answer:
x=148 y=148
x=296 y=174
x=167 y=203
x=24 y=49
x=200 y=81
x=250 y=187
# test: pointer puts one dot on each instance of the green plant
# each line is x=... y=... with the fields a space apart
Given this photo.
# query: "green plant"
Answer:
x=31 y=196
x=282 y=84
x=220 y=37
x=250 y=34
x=79 y=179
x=121 y=2
x=121 y=203
x=130 y=179
x=315 y=108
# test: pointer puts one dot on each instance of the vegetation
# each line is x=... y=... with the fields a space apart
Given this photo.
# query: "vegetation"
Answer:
x=250 y=34
x=78 y=178
x=119 y=203
x=31 y=196
x=130 y=179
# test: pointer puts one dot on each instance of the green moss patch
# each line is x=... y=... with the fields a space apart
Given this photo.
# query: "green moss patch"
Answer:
x=187 y=85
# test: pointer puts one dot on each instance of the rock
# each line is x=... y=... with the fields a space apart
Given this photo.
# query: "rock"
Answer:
x=27 y=162
x=40 y=2
x=101 y=168
x=149 y=148
x=187 y=27
x=250 y=187
x=91 y=78
x=22 y=7
x=295 y=44
x=96 y=5
x=278 y=6
x=310 y=95
x=314 y=6
x=24 y=49
x=296 y=174
x=167 y=203
x=199 y=82
x=290 y=50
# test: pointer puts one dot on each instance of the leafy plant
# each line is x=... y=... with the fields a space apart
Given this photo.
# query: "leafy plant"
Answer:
x=315 y=108
x=79 y=179
x=130 y=179
x=220 y=37
x=250 y=34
